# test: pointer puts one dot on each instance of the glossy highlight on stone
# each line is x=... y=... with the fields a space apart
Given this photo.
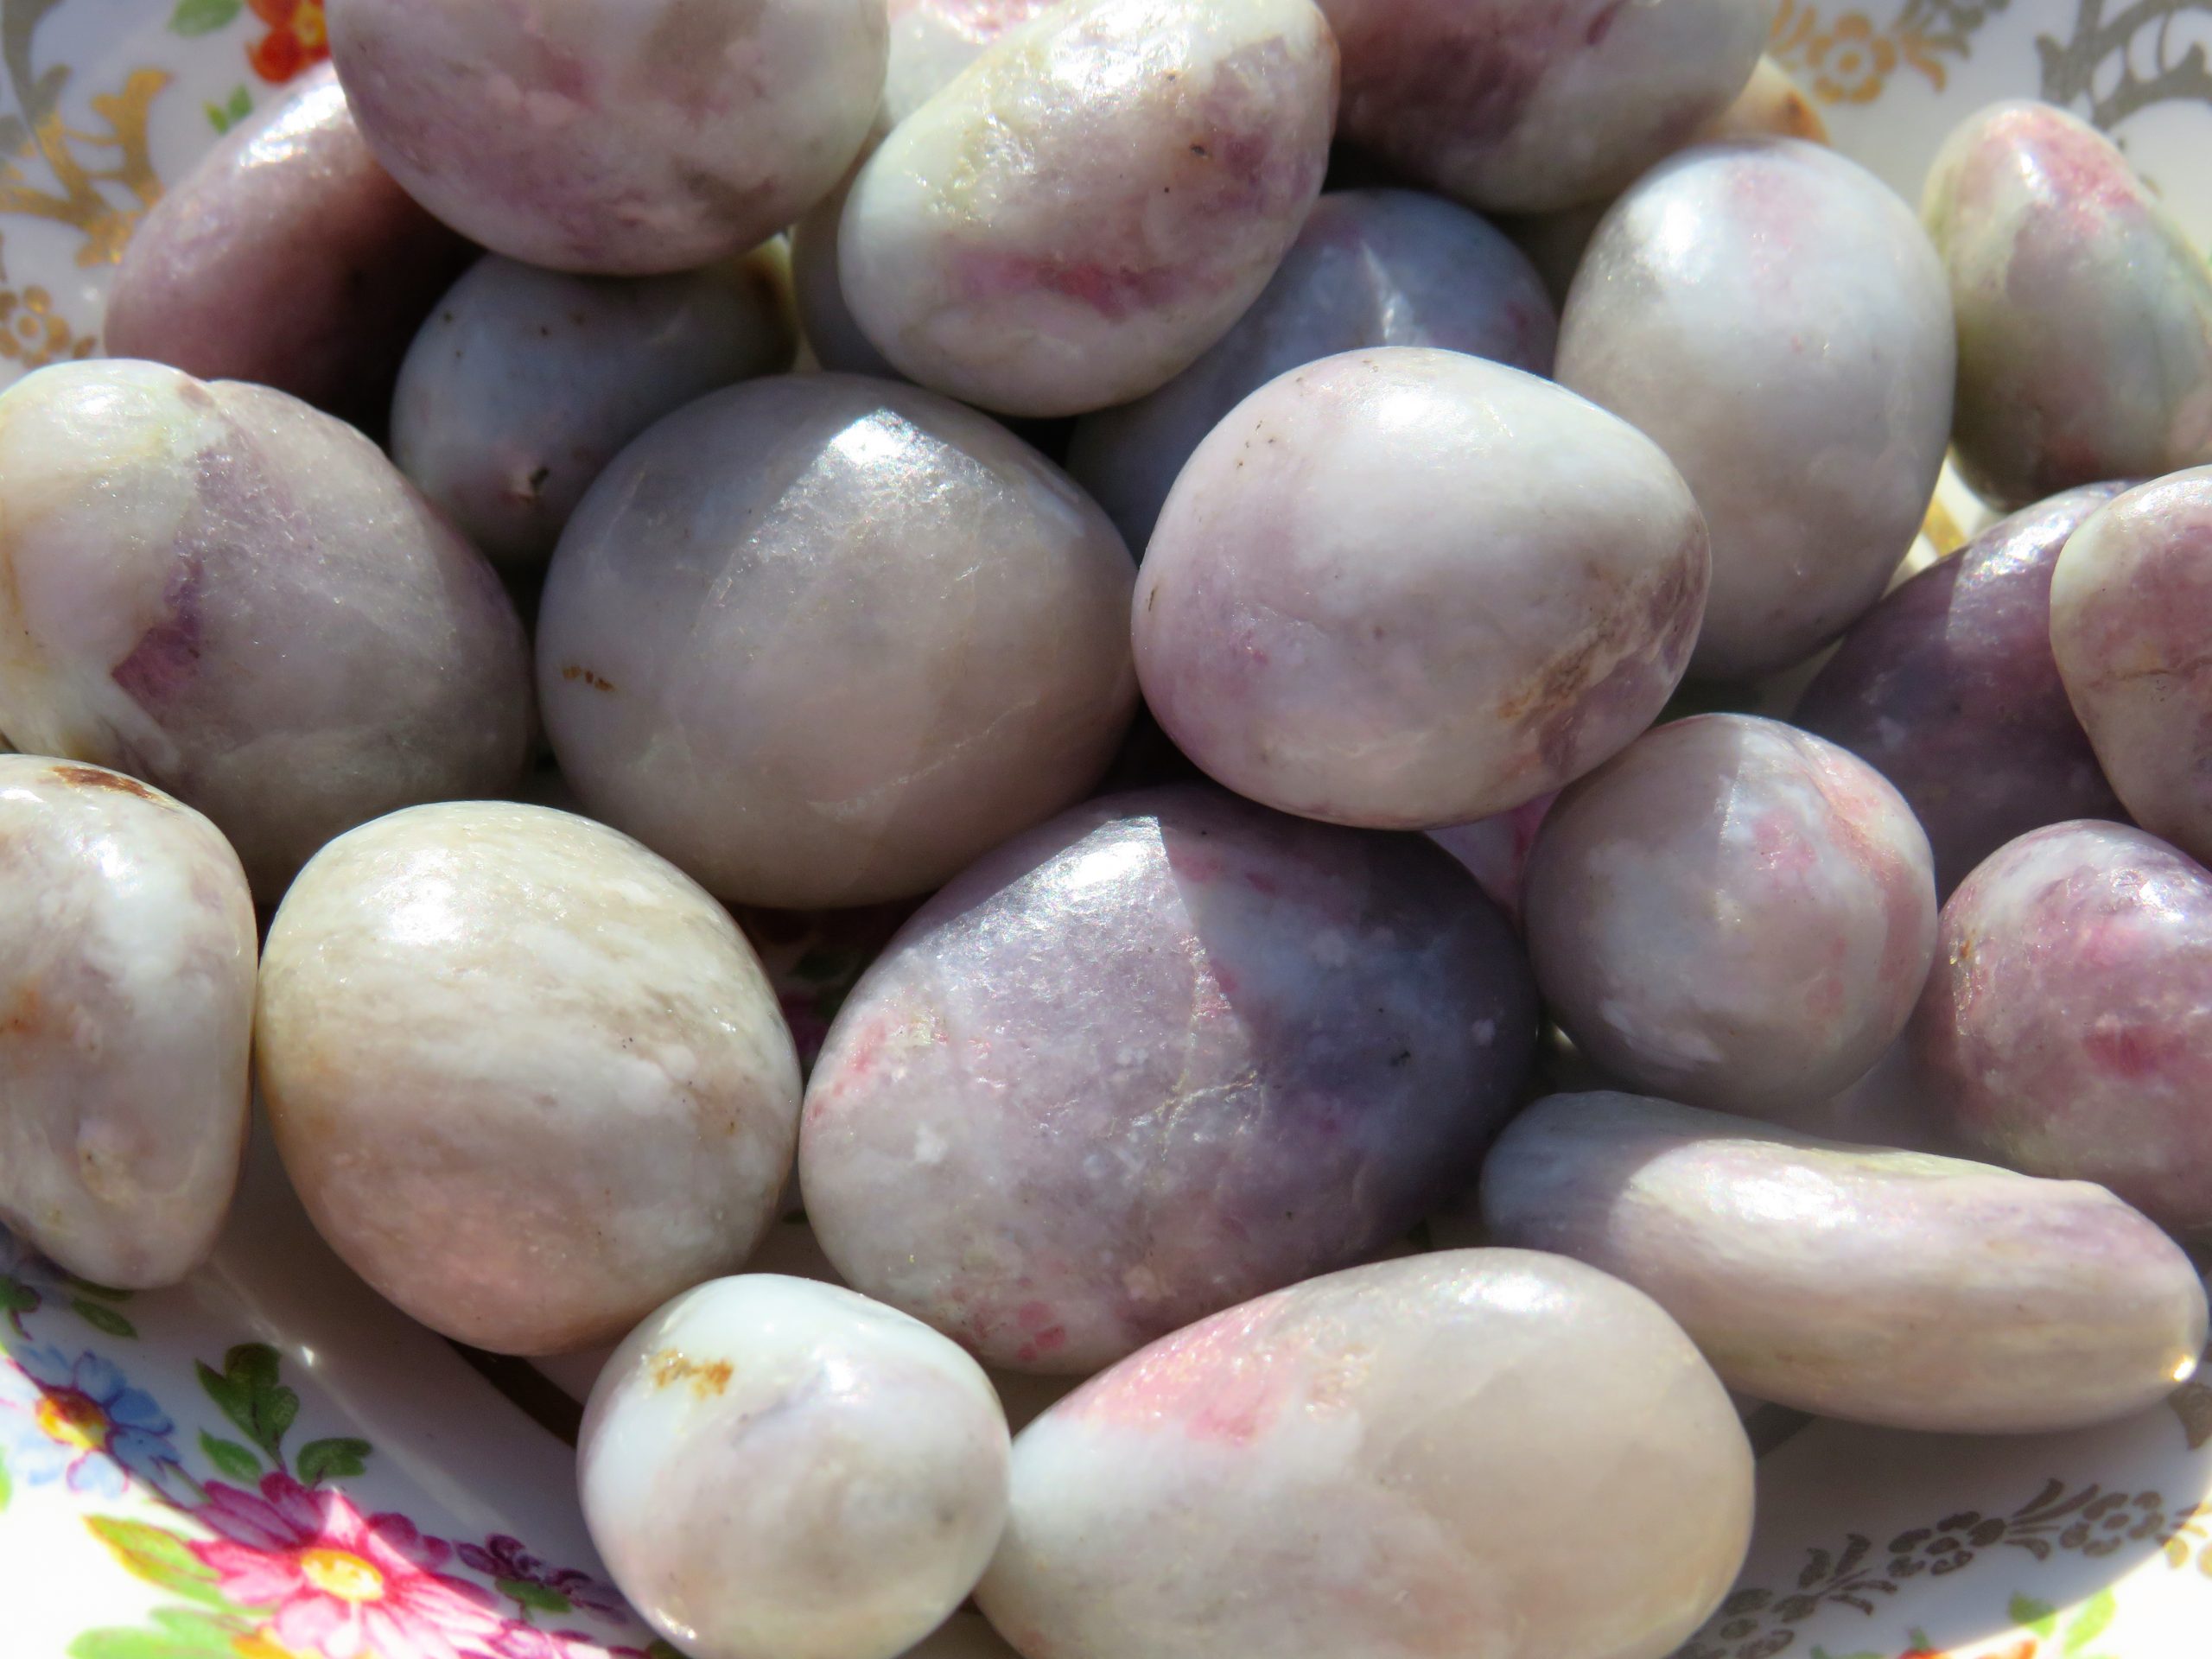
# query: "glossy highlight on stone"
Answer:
x=1305 y=613
x=1093 y=201
x=774 y=1468
x=2084 y=315
x=2067 y=1029
x=1949 y=689
x=1774 y=317
x=1733 y=913
x=628 y=139
x=220 y=590
x=1165 y=1052
x=126 y=1007
x=1423 y=1457
x=1859 y=1282
x=823 y=640
x=528 y=1079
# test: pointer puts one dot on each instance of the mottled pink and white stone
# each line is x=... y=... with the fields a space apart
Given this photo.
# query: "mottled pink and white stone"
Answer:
x=1859 y=1282
x=1165 y=1052
x=2084 y=315
x=1370 y=267
x=529 y=1080
x=774 y=1468
x=1092 y=202
x=823 y=640
x=236 y=597
x=1405 y=587
x=524 y=384
x=623 y=139
x=1773 y=315
x=2067 y=1030
x=1527 y=106
x=1949 y=689
x=126 y=1011
x=2130 y=611
x=1419 y=1458
x=1733 y=913
x=287 y=256
x=932 y=41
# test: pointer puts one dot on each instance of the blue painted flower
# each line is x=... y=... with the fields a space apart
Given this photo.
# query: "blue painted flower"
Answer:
x=86 y=1425
x=26 y=1279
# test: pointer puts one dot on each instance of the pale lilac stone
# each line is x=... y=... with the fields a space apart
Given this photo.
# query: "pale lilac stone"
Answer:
x=2131 y=609
x=1773 y=315
x=1094 y=202
x=1167 y=1052
x=126 y=1010
x=1419 y=1458
x=1528 y=106
x=2084 y=315
x=287 y=256
x=528 y=1079
x=1948 y=688
x=1733 y=913
x=524 y=383
x=1305 y=613
x=836 y=338
x=1882 y=1287
x=2067 y=1030
x=773 y=1468
x=220 y=590
x=1370 y=267
x=823 y=640
x=1496 y=850
x=626 y=140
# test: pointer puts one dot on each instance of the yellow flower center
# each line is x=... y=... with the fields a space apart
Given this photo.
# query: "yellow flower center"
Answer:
x=308 y=25
x=338 y=1572
x=72 y=1419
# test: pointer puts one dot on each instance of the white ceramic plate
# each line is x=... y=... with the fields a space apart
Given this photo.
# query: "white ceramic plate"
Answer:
x=270 y=1463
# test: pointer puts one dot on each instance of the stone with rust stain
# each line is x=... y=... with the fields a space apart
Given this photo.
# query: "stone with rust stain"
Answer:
x=2084 y=315
x=1948 y=688
x=287 y=256
x=2131 y=617
x=1528 y=106
x=529 y=1080
x=774 y=1468
x=524 y=383
x=1859 y=1282
x=126 y=1005
x=627 y=139
x=1167 y=1052
x=2067 y=1029
x=1773 y=315
x=1406 y=588
x=238 y=599
x=1733 y=913
x=1094 y=202
x=823 y=640
x=1370 y=268
x=1423 y=1457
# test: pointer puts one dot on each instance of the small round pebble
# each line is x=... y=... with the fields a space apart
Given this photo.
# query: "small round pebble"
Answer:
x=1406 y=588
x=126 y=1009
x=528 y=1079
x=774 y=1468
x=1734 y=913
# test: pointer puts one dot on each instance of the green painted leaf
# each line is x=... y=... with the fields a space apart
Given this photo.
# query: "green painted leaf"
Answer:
x=102 y=1317
x=543 y=1597
x=230 y=1458
x=1823 y=1653
x=202 y=17
x=657 y=1649
x=17 y=1297
x=321 y=1460
x=248 y=1393
x=107 y=1293
x=2088 y=1625
x=158 y=1557
x=181 y=1634
x=216 y=118
x=2030 y=1614
x=7 y=1489
x=224 y=116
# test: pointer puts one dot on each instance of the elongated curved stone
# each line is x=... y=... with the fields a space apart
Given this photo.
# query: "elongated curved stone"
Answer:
x=126 y=1009
x=1420 y=1457
x=1884 y=1286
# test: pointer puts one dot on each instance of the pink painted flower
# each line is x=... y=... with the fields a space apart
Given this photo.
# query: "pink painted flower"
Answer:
x=341 y=1584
